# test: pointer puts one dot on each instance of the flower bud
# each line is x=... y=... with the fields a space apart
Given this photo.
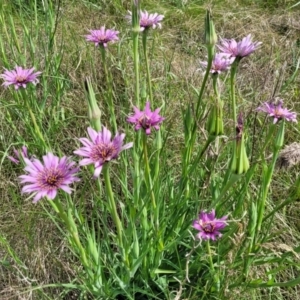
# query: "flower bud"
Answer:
x=211 y=38
x=135 y=10
x=240 y=161
x=215 y=125
x=280 y=137
x=94 y=111
x=19 y=155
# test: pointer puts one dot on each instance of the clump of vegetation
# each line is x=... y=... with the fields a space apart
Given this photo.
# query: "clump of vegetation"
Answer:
x=151 y=164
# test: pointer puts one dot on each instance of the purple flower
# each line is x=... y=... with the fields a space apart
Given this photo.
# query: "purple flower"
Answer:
x=209 y=226
x=276 y=111
x=148 y=20
x=19 y=77
x=239 y=49
x=221 y=62
x=102 y=36
x=45 y=179
x=101 y=148
x=146 y=118
x=17 y=155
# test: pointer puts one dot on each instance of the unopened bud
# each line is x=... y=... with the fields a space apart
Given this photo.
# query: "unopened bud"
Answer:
x=240 y=161
x=280 y=136
x=215 y=125
x=19 y=155
x=211 y=38
x=94 y=112
x=24 y=151
x=135 y=13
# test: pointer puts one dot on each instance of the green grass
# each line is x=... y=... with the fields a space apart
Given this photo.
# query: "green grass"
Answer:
x=38 y=259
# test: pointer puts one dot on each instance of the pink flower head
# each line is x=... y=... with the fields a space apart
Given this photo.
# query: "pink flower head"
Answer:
x=101 y=148
x=239 y=49
x=146 y=118
x=46 y=178
x=17 y=155
x=276 y=111
x=148 y=20
x=102 y=36
x=209 y=226
x=19 y=77
x=221 y=62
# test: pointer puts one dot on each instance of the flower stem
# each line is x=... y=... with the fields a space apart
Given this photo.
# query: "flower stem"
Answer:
x=109 y=85
x=158 y=140
x=219 y=111
x=36 y=127
x=233 y=103
x=268 y=175
x=190 y=146
x=135 y=39
x=72 y=230
x=212 y=268
x=232 y=91
x=147 y=169
x=210 y=53
x=269 y=137
x=144 y=40
x=112 y=204
x=215 y=86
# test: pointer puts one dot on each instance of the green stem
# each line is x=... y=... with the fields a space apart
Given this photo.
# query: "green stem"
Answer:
x=219 y=105
x=136 y=155
x=211 y=264
x=144 y=40
x=71 y=228
x=215 y=86
x=268 y=177
x=264 y=192
x=195 y=163
x=233 y=103
x=36 y=127
x=232 y=92
x=269 y=137
x=98 y=182
x=158 y=140
x=137 y=180
x=227 y=184
x=110 y=91
x=190 y=146
x=157 y=155
x=9 y=119
x=250 y=172
x=186 y=172
x=210 y=256
x=210 y=53
x=112 y=204
x=135 y=39
x=147 y=171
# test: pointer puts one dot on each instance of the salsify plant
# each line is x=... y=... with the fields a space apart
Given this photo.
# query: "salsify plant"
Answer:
x=155 y=229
